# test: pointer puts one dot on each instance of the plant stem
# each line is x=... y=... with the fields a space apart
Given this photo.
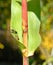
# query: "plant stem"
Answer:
x=25 y=61
x=25 y=30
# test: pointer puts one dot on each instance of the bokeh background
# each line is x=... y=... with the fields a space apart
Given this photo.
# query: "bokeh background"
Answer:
x=45 y=50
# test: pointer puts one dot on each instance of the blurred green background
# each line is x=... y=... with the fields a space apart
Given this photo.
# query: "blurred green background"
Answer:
x=5 y=12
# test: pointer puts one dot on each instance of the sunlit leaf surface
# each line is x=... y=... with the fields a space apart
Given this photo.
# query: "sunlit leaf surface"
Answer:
x=33 y=33
x=33 y=27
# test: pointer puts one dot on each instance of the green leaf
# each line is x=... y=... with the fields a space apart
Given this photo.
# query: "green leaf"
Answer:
x=15 y=43
x=16 y=19
x=33 y=33
x=33 y=27
x=16 y=22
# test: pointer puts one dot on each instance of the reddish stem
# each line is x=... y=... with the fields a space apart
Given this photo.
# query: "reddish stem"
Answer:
x=25 y=29
x=25 y=61
x=25 y=21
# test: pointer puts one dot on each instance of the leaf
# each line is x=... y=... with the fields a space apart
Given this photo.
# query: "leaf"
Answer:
x=33 y=27
x=16 y=22
x=16 y=19
x=15 y=44
x=33 y=33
